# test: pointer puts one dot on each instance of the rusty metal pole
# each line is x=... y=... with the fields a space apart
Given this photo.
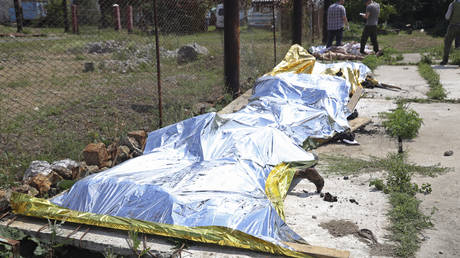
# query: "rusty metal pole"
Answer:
x=274 y=33
x=129 y=18
x=19 y=17
x=66 y=15
x=297 y=24
x=74 y=20
x=116 y=17
x=232 y=47
x=157 y=45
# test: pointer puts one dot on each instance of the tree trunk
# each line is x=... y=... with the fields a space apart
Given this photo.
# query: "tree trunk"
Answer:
x=400 y=146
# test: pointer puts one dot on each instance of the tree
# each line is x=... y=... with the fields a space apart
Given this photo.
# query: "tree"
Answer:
x=402 y=123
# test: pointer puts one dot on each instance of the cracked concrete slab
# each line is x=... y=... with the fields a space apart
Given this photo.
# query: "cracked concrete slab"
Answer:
x=410 y=58
x=406 y=77
x=449 y=76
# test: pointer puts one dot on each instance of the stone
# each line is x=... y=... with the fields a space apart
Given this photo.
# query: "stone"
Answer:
x=190 y=53
x=54 y=178
x=21 y=189
x=106 y=164
x=33 y=192
x=80 y=172
x=131 y=143
x=140 y=136
x=88 y=67
x=41 y=182
x=122 y=154
x=448 y=153
x=92 y=169
x=37 y=167
x=95 y=154
x=112 y=150
x=4 y=199
x=65 y=167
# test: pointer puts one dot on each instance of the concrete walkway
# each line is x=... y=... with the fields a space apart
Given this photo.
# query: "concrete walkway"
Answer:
x=410 y=58
x=450 y=79
x=407 y=77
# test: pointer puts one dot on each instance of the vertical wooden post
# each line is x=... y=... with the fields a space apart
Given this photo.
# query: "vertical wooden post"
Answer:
x=129 y=18
x=325 y=7
x=297 y=24
x=157 y=48
x=66 y=16
x=232 y=47
x=116 y=17
x=19 y=17
x=75 y=29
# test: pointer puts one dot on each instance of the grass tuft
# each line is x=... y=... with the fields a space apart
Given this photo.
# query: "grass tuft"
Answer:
x=343 y=165
x=436 y=90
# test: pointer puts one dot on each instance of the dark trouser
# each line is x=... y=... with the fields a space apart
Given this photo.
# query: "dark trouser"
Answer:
x=452 y=32
x=457 y=41
x=369 y=31
x=337 y=34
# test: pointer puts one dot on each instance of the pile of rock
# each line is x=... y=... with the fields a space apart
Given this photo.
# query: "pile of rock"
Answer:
x=46 y=180
x=128 y=57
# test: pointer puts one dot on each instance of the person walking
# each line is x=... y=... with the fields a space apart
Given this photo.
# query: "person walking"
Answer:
x=370 y=30
x=336 y=19
x=453 y=30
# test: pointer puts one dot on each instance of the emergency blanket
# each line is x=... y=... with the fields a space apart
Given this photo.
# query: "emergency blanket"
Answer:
x=214 y=178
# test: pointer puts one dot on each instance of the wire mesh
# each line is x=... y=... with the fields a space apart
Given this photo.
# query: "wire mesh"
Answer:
x=85 y=70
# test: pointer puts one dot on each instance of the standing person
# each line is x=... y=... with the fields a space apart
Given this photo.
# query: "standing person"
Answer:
x=336 y=19
x=453 y=31
x=370 y=30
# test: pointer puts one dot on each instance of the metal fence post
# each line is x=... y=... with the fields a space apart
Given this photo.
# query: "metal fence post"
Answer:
x=297 y=25
x=74 y=19
x=116 y=17
x=129 y=18
x=19 y=17
x=232 y=47
x=157 y=48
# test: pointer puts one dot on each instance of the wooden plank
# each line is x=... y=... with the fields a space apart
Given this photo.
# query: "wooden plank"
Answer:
x=355 y=98
x=237 y=104
x=318 y=251
x=358 y=122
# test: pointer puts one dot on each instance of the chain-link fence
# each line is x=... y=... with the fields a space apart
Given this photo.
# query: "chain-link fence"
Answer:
x=86 y=70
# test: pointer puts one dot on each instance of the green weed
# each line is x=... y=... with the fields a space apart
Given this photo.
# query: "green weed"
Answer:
x=436 y=90
x=343 y=165
x=402 y=123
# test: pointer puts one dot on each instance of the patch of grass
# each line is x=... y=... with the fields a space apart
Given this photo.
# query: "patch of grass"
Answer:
x=427 y=101
x=390 y=56
x=417 y=42
x=436 y=90
x=343 y=165
x=406 y=218
x=18 y=84
x=406 y=223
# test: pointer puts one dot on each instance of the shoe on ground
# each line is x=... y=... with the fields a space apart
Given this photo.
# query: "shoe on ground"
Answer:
x=443 y=63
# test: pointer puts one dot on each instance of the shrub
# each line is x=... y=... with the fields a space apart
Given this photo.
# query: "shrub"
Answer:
x=402 y=123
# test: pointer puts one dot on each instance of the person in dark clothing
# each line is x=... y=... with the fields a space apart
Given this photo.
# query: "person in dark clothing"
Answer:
x=453 y=31
x=336 y=19
x=370 y=30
